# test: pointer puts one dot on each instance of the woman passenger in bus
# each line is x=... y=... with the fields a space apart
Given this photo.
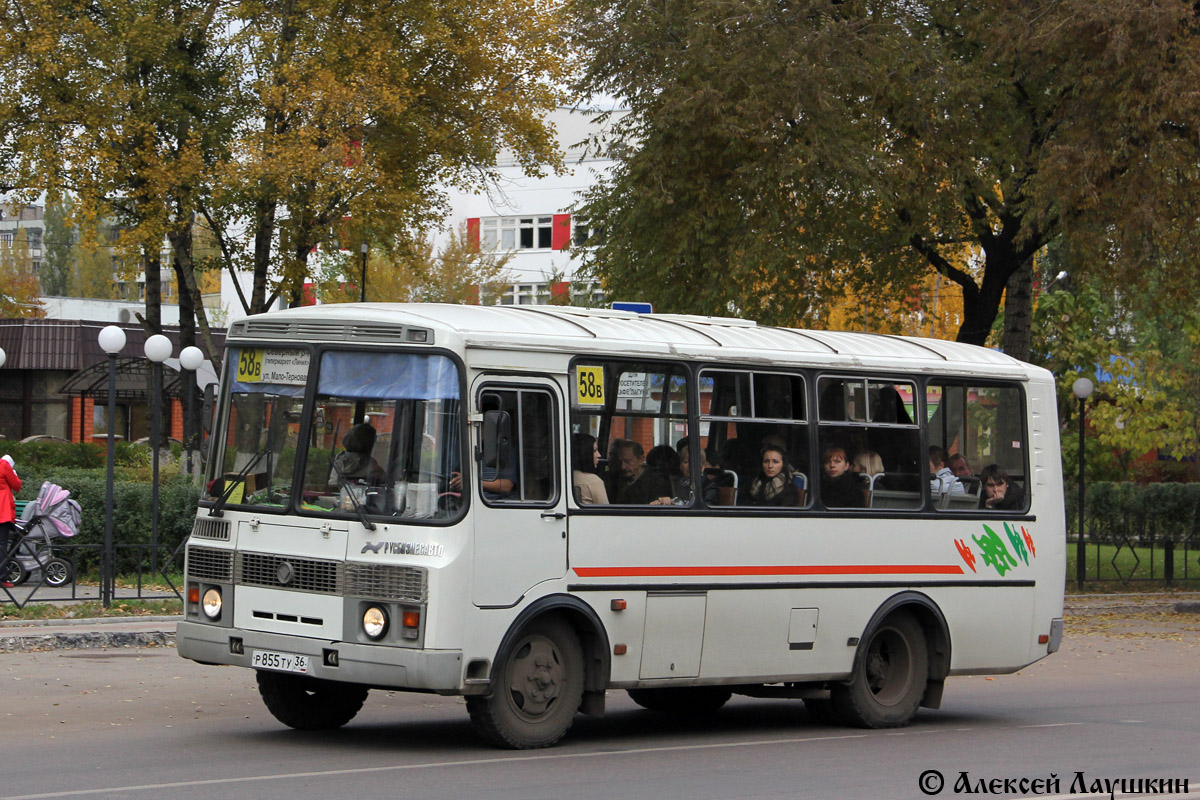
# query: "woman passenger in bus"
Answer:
x=868 y=464
x=840 y=488
x=774 y=485
x=585 y=455
x=999 y=493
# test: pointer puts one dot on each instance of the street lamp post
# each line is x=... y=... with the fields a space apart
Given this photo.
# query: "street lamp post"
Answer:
x=1082 y=388
x=158 y=349
x=112 y=340
x=190 y=359
x=363 y=294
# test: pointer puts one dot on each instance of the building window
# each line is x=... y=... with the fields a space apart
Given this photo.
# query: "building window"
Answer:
x=516 y=233
x=6 y=239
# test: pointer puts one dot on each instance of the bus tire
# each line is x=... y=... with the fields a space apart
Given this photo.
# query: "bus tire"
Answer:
x=891 y=669
x=537 y=691
x=310 y=704
x=684 y=701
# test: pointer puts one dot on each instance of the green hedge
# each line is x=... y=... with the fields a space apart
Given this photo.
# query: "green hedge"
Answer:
x=1145 y=513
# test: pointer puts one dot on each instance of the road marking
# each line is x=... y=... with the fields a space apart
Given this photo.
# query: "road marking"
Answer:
x=470 y=762
x=1051 y=725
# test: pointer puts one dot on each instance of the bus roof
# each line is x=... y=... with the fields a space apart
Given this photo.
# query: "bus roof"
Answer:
x=606 y=331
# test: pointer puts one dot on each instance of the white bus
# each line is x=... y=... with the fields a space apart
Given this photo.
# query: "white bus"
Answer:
x=412 y=497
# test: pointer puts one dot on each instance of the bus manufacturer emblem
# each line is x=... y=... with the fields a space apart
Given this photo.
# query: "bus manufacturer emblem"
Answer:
x=284 y=573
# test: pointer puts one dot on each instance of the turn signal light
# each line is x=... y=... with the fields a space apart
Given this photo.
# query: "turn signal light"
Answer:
x=194 y=594
x=1043 y=639
x=412 y=619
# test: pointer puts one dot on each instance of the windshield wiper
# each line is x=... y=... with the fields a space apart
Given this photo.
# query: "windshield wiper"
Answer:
x=345 y=484
x=215 y=511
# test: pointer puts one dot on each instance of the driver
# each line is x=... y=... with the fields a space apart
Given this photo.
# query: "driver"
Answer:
x=356 y=462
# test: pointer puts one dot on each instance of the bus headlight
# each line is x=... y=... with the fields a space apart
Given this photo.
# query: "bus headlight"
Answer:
x=212 y=604
x=375 y=622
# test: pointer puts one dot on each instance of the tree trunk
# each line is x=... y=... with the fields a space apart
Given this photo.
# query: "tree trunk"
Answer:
x=1018 y=312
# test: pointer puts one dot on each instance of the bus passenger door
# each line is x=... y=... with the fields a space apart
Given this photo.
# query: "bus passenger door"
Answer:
x=519 y=503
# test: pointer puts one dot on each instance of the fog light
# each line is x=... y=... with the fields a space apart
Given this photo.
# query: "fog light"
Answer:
x=212 y=604
x=375 y=622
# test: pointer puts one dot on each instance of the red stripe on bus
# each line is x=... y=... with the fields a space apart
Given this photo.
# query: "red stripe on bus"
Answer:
x=828 y=569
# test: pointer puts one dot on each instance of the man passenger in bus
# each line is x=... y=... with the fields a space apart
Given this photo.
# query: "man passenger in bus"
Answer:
x=585 y=455
x=941 y=479
x=637 y=485
x=840 y=488
x=774 y=485
x=999 y=493
x=957 y=463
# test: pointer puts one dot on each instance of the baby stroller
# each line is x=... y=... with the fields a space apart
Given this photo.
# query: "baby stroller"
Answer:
x=51 y=518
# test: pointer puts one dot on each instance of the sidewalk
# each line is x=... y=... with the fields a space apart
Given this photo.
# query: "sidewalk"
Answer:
x=64 y=634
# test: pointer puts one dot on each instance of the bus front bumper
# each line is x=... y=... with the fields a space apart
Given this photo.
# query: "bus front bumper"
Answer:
x=373 y=665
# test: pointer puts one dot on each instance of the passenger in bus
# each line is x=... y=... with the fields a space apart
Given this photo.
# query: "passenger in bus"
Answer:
x=840 y=488
x=868 y=464
x=999 y=493
x=665 y=461
x=355 y=462
x=635 y=484
x=708 y=485
x=585 y=455
x=774 y=485
x=942 y=480
x=957 y=463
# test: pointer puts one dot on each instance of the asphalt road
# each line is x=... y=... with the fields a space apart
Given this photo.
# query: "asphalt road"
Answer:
x=1121 y=701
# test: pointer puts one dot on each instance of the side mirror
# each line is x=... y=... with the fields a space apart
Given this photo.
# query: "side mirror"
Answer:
x=497 y=438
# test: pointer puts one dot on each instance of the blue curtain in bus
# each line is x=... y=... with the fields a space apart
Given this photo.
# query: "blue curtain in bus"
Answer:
x=388 y=376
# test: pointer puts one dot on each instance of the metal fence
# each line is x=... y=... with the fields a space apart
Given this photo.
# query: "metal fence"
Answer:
x=135 y=578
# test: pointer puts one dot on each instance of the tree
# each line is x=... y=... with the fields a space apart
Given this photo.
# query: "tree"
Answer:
x=19 y=291
x=1139 y=343
x=459 y=273
x=58 y=240
x=366 y=112
x=774 y=151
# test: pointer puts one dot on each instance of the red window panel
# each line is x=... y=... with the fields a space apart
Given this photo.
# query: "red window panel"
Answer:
x=473 y=233
x=560 y=236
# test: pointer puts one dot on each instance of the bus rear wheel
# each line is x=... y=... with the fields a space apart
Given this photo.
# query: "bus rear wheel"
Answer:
x=688 y=701
x=310 y=704
x=889 y=677
x=537 y=690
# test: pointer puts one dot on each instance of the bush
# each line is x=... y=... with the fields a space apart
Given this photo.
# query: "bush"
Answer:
x=1145 y=513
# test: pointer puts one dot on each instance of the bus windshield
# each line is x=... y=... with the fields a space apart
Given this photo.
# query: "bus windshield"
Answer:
x=383 y=435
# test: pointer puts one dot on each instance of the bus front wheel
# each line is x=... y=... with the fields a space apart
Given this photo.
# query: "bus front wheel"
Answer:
x=889 y=676
x=537 y=690
x=310 y=704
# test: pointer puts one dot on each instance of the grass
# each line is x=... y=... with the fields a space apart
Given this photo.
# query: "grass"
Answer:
x=86 y=609
x=1142 y=567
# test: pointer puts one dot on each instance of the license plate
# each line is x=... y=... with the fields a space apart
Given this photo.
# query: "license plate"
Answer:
x=281 y=662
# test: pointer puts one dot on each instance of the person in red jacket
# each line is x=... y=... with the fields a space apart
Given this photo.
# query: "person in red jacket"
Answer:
x=10 y=484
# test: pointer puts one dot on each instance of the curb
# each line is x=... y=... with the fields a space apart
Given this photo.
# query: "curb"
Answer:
x=27 y=636
x=33 y=642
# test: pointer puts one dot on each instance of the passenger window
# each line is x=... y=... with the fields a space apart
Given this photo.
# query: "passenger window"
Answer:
x=516 y=457
x=869 y=444
x=981 y=429
x=629 y=428
x=754 y=438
